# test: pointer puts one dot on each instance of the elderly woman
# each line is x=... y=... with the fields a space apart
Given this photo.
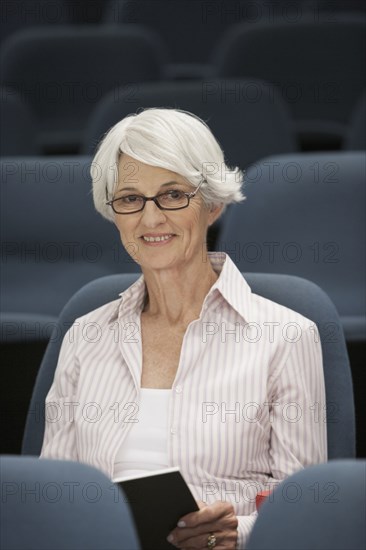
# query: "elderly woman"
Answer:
x=188 y=367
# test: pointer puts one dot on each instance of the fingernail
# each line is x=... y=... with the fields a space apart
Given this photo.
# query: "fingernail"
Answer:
x=170 y=538
x=181 y=523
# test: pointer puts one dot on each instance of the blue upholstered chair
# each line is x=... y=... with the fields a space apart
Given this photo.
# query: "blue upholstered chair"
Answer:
x=305 y=216
x=317 y=508
x=53 y=240
x=65 y=69
x=316 y=61
x=249 y=120
x=293 y=292
x=59 y=505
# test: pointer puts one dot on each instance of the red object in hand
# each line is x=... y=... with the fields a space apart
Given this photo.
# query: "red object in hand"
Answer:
x=260 y=498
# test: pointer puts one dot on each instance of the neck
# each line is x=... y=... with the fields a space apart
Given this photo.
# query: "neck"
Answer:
x=176 y=295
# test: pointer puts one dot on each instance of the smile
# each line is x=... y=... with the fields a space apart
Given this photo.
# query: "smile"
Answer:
x=157 y=239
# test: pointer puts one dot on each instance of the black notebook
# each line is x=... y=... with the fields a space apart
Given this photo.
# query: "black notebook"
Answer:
x=157 y=501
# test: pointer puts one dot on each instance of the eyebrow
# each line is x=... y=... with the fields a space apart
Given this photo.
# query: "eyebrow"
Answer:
x=167 y=184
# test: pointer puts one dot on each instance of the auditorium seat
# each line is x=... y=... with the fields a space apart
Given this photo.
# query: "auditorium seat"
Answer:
x=53 y=240
x=62 y=505
x=18 y=128
x=63 y=71
x=190 y=28
x=248 y=121
x=293 y=292
x=355 y=135
x=317 y=66
x=304 y=215
x=320 y=507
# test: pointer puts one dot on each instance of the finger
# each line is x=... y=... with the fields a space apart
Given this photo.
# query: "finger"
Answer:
x=224 y=541
x=207 y=514
x=201 y=504
x=182 y=536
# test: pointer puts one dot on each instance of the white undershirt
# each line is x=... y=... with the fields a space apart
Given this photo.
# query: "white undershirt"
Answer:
x=145 y=446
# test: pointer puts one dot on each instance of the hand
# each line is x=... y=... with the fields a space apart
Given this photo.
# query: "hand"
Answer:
x=218 y=518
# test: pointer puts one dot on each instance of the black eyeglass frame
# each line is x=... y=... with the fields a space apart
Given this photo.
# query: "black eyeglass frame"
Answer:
x=155 y=199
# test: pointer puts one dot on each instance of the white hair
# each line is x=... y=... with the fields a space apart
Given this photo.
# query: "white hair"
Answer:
x=167 y=138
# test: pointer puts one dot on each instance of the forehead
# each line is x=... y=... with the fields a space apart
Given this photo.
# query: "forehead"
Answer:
x=132 y=172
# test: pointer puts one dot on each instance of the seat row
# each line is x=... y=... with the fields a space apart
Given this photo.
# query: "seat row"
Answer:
x=63 y=504
x=249 y=119
x=316 y=68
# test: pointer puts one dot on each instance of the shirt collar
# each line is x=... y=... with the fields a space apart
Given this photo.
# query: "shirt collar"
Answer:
x=131 y=300
x=230 y=286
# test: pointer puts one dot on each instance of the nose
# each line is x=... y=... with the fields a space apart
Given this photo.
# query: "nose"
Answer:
x=152 y=216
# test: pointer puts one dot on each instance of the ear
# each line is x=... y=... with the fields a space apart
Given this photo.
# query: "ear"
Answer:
x=214 y=213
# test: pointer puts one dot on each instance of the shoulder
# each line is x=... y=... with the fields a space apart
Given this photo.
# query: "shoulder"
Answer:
x=100 y=316
x=264 y=310
x=281 y=325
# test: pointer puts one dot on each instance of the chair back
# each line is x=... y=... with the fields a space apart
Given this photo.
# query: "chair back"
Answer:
x=59 y=504
x=249 y=120
x=322 y=506
x=53 y=240
x=63 y=71
x=305 y=216
x=318 y=66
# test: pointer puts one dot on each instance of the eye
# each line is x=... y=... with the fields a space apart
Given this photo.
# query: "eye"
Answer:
x=129 y=199
x=174 y=195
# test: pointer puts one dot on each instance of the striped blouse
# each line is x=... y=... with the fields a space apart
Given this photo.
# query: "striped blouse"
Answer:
x=248 y=401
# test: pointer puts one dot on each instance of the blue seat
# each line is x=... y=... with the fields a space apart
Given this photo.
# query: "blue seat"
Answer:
x=19 y=126
x=53 y=240
x=304 y=215
x=317 y=64
x=59 y=505
x=63 y=71
x=293 y=292
x=189 y=29
x=320 y=507
x=228 y=106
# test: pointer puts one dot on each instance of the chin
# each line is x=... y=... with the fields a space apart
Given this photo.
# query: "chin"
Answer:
x=158 y=262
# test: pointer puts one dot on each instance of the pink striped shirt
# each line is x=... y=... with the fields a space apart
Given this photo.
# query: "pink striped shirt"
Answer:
x=248 y=402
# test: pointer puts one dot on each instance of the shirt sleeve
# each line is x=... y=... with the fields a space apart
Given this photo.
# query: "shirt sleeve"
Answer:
x=245 y=525
x=298 y=408
x=59 y=440
x=297 y=415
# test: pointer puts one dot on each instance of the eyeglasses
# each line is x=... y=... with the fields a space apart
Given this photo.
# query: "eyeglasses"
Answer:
x=171 y=200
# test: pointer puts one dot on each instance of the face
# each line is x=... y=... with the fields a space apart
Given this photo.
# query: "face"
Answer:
x=161 y=239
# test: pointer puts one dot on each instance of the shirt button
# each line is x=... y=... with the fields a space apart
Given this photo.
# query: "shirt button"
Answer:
x=173 y=431
x=178 y=389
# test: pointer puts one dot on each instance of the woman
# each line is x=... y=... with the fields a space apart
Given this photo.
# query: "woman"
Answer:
x=173 y=372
